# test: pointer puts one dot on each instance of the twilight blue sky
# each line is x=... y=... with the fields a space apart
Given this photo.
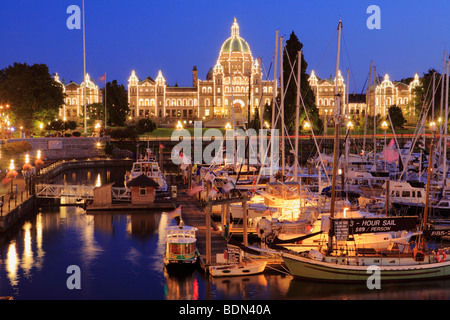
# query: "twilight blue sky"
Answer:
x=175 y=35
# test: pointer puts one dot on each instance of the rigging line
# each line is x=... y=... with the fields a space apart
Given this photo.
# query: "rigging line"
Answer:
x=326 y=50
x=348 y=58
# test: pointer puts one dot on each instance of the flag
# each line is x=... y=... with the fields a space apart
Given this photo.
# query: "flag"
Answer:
x=213 y=191
x=175 y=213
x=102 y=78
x=390 y=154
x=195 y=190
x=194 y=168
x=229 y=186
x=210 y=176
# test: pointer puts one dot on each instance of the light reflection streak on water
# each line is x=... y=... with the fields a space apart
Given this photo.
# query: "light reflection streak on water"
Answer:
x=27 y=257
x=12 y=262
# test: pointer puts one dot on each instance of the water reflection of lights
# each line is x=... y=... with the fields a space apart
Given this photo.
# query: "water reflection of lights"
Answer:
x=98 y=183
x=27 y=257
x=12 y=262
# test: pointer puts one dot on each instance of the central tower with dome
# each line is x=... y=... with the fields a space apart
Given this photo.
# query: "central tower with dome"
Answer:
x=234 y=85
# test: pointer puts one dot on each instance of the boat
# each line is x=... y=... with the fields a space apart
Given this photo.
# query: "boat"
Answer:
x=235 y=263
x=397 y=264
x=149 y=166
x=181 y=254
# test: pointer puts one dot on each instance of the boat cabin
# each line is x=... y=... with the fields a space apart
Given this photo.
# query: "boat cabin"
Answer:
x=406 y=192
x=181 y=244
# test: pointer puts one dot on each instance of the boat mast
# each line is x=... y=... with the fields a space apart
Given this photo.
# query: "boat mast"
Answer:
x=444 y=165
x=282 y=110
x=374 y=124
x=297 y=114
x=274 y=100
x=367 y=111
x=336 y=144
x=84 y=64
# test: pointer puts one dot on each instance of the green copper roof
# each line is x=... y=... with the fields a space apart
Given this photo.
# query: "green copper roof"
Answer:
x=235 y=44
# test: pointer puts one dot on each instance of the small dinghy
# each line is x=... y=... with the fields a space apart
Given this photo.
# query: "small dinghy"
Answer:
x=235 y=264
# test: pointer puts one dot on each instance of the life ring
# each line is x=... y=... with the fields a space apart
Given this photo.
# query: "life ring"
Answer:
x=440 y=254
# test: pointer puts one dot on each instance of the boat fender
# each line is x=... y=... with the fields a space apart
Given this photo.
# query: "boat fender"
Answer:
x=264 y=227
x=315 y=255
x=441 y=256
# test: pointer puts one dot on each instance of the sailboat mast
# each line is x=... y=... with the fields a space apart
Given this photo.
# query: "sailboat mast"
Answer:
x=297 y=113
x=282 y=110
x=272 y=178
x=444 y=164
x=367 y=111
x=374 y=124
x=336 y=145
x=84 y=65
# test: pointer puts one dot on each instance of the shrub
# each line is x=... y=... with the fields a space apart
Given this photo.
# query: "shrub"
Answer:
x=15 y=148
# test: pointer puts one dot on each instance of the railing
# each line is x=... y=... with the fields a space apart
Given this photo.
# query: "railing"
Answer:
x=68 y=191
x=78 y=192
x=121 y=194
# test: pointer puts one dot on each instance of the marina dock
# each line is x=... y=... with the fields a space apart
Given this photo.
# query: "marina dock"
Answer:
x=193 y=214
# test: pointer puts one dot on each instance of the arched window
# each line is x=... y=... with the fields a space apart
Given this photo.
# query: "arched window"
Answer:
x=265 y=89
x=207 y=102
x=204 y=90
x=167 y=102
x=320 y=102
x=209 y=90
x=325 y=102
x=195 y=102
x=147 y=102
x=179 y=102
x=190 y=102
x=227 y=89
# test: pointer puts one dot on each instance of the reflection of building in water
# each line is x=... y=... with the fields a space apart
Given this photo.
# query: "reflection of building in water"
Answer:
x=178 y=288
x=143 y=224
x=103 y=222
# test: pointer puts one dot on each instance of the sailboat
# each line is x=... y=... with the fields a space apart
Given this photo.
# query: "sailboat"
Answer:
x=397 y=263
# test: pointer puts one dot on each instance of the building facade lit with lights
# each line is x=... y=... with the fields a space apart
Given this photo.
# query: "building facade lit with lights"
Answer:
x=236 y=80
x=387 y=93
x=73 y=107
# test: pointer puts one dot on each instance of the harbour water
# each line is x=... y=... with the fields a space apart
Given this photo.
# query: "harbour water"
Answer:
x=120 y=257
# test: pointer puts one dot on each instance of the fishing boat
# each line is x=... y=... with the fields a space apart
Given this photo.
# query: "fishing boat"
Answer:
x=181 y=254
x=235 y=263
x=149 y=166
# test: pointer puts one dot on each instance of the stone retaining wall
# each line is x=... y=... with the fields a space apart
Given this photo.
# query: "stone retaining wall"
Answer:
x=67 y=147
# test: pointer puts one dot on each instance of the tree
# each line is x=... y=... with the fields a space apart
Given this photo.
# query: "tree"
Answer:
x=117 y=107
x=397 y=118
x=31 y=92
x=146 y=125
x=290 y=57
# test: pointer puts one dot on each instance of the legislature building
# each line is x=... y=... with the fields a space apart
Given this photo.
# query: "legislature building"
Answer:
x=235 y=81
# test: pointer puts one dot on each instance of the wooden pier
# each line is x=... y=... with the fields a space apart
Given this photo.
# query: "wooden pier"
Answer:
x=193 y=214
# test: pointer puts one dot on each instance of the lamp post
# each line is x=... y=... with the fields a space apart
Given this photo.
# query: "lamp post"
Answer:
x=384 y=125
x=11 y=169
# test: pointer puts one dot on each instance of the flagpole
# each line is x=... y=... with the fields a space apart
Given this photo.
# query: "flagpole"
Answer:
x=105 y=101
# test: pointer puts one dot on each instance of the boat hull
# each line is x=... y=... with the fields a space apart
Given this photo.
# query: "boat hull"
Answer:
x=181 y=266
x=237 y=269
x=307 y=268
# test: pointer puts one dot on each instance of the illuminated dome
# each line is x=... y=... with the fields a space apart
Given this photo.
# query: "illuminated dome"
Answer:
x=235 y=43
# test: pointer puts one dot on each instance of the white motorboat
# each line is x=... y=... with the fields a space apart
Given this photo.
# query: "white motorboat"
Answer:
x=150 y=167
